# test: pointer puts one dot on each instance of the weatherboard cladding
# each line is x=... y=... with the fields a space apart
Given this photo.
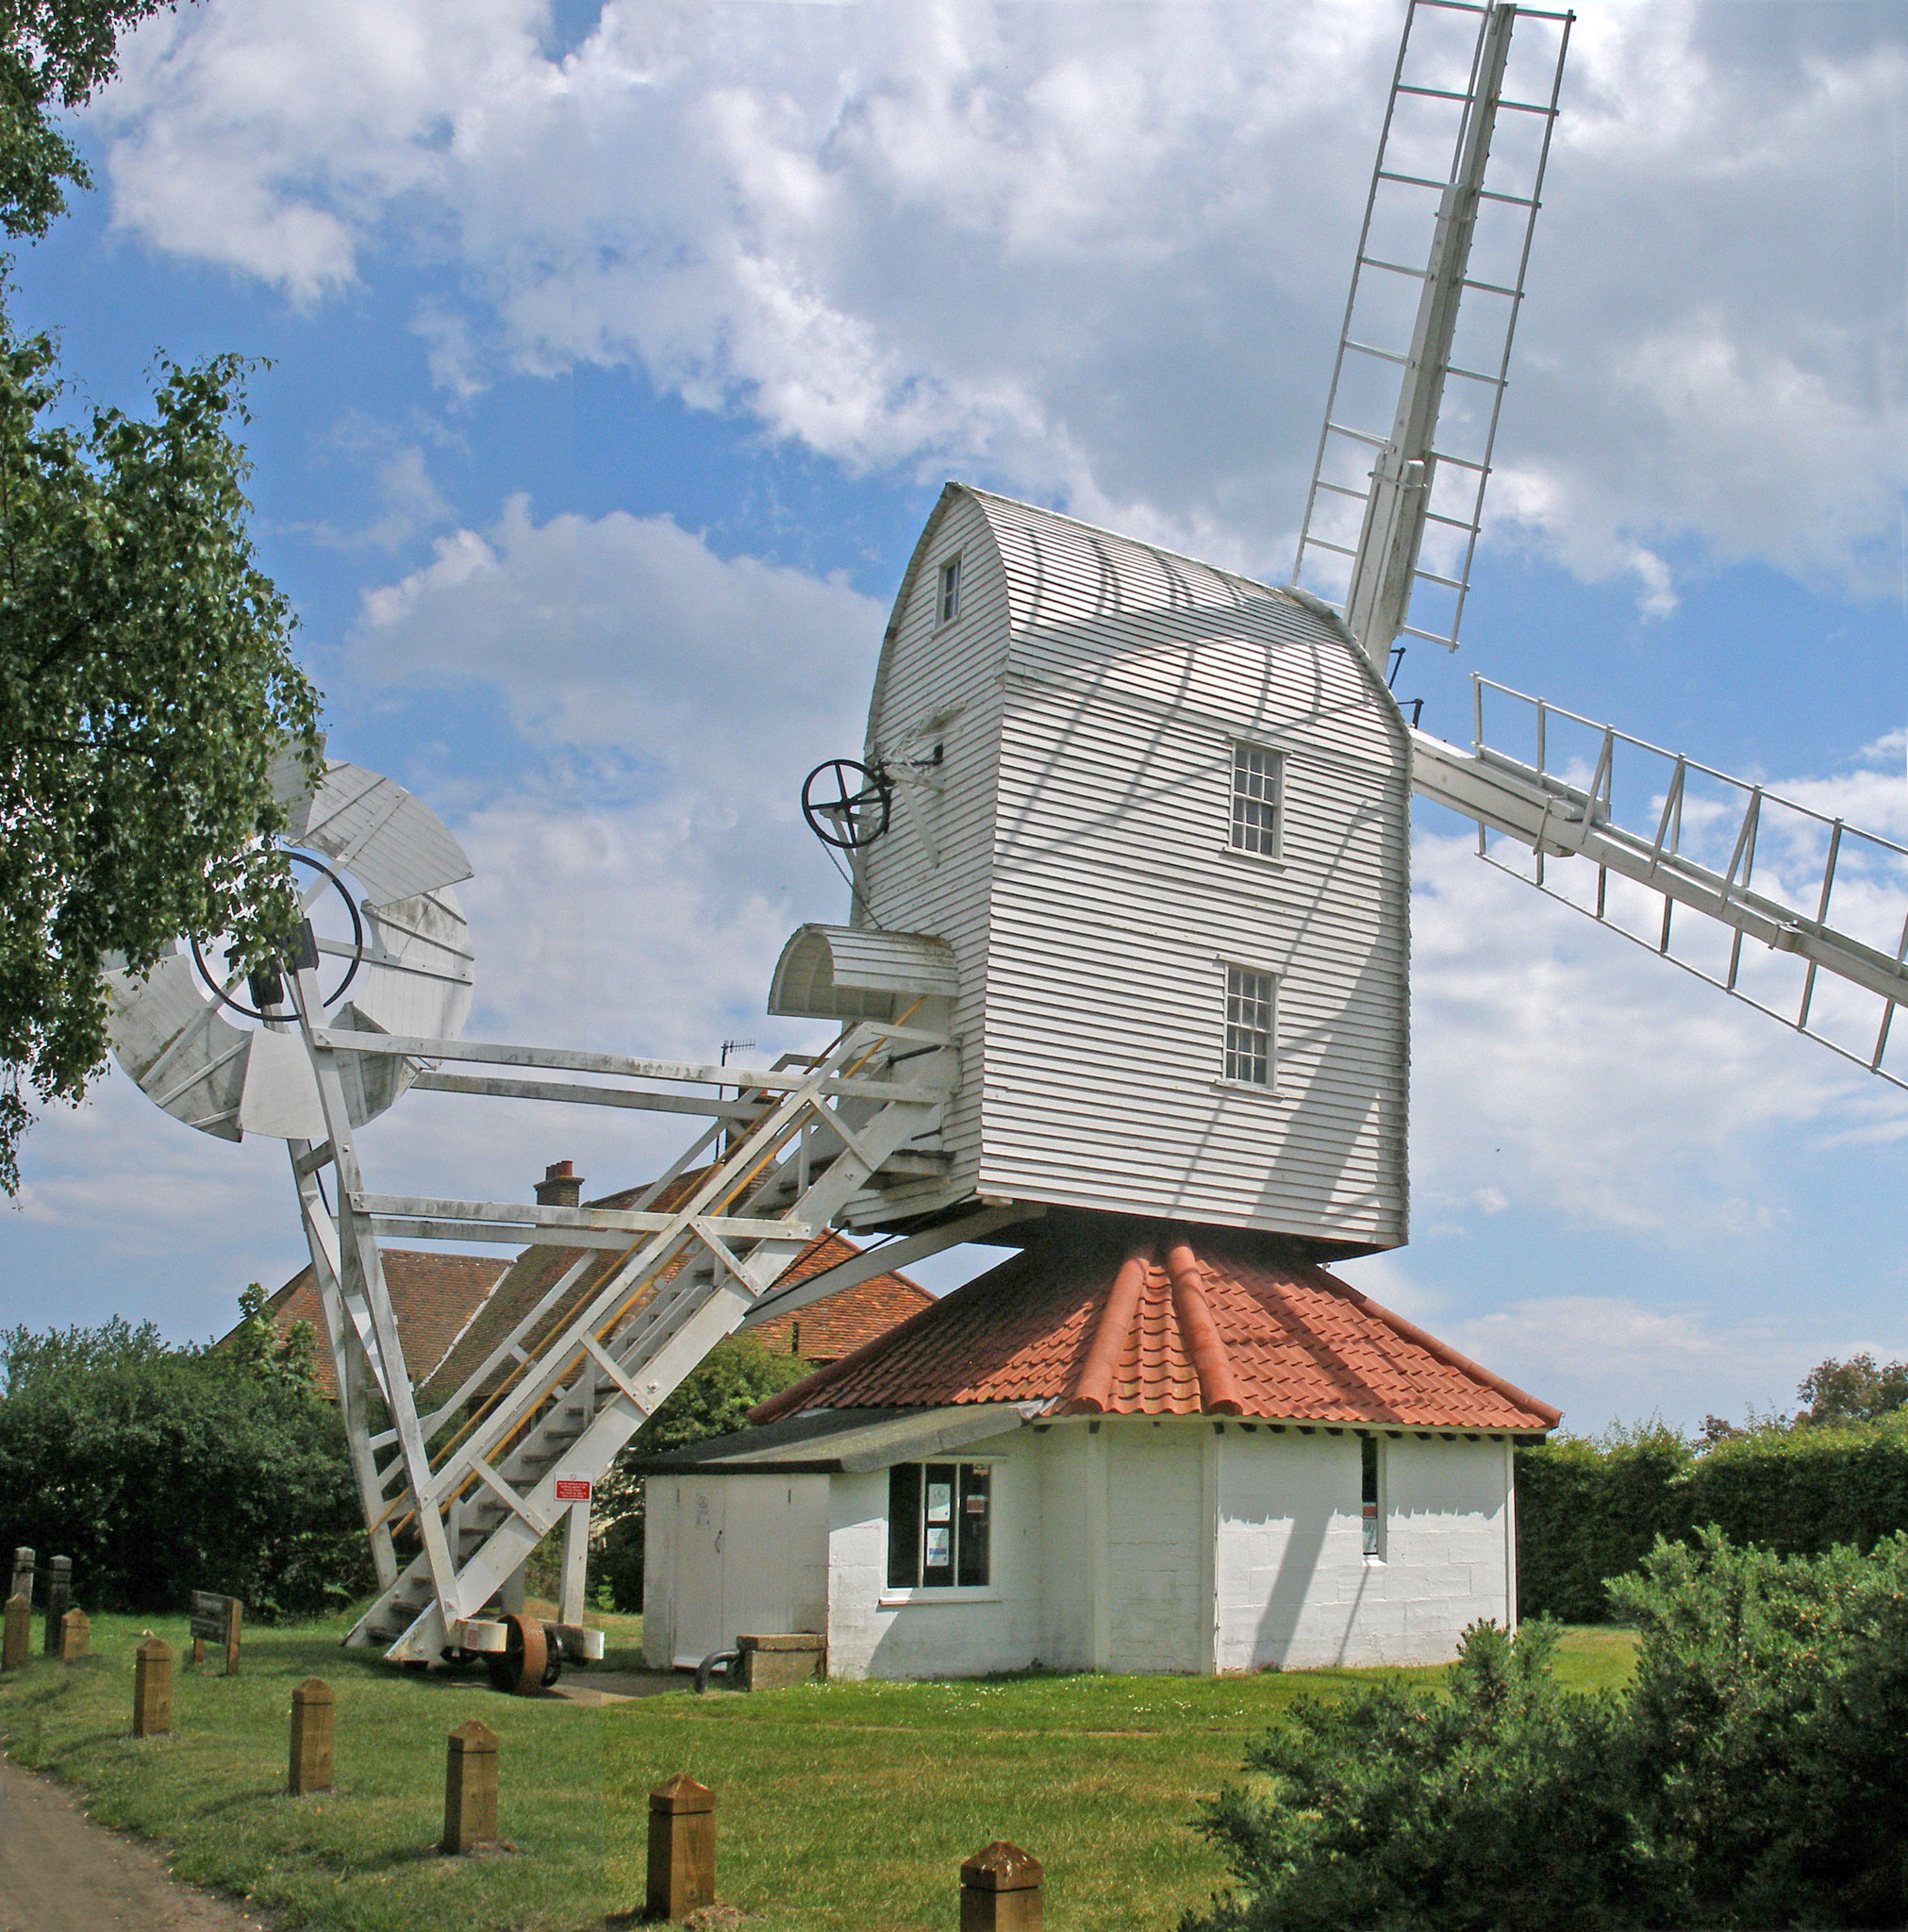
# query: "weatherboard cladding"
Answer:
x=1170 y=1319
x=1083 y=879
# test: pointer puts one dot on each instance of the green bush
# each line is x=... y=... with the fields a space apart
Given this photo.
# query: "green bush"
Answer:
x=162 y=1470
x=1751 y=1776
x=1590 y=1511
x=1487 y=1809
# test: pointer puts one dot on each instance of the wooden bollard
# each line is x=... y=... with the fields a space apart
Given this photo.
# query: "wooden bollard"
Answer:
x=58 y=1600
x=1001 y=1890
x=470 y=1788
x=682 y=1847
x=75 y=1633
x=152 y=1689
x=311 y=1714
x=18 y=1639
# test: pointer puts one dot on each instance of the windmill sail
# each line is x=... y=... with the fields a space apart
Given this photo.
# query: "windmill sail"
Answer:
x=1392 y=517
x=1784 y=893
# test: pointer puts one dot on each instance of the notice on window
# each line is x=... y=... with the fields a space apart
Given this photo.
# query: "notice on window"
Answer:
x=940 y=1506
x=937 y=1557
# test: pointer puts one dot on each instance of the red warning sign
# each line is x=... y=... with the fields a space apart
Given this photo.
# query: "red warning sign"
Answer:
x=573 y=1488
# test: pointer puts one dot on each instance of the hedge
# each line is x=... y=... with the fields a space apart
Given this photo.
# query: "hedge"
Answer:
x=1588 y=1510
x=159 y=1471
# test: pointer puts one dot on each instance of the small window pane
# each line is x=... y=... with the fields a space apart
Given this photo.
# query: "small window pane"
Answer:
x=904 y=1526
x=976 y=1509
x=939 y=1483
x=1255 y=800
x=1249 y=1017
x=951 y=589
x=1367 y=1460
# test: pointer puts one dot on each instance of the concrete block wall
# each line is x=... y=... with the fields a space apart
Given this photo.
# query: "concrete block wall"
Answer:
x=1294 y=1586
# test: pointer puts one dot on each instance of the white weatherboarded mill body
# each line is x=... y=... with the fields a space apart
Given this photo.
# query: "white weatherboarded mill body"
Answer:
x=1133 y=791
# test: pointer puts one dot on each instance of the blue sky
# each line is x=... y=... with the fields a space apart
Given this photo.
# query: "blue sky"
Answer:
x=616 y=356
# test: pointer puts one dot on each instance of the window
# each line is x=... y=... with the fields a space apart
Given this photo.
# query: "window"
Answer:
x=938 y=1515
x=948 y=607
x=1258 y=791
x=1250 y=1016
x=1369 y=1447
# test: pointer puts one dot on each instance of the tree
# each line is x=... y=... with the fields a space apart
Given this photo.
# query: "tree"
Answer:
x=162 y=1470
x=147 y=685
x=1856 y=1391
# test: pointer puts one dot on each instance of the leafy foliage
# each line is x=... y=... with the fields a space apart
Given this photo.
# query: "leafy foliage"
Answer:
x=146 y=686
x=162 y=1470
x=1587 y=1511
x=147 y=679
x=1765 y=1726
x=733 y=1377
x=1856 y=1391
x=53 y=54
x=1489 y=1806
x=1749 y=1776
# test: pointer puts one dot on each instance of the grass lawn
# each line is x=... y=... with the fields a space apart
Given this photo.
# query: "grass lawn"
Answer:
x=838 y=1804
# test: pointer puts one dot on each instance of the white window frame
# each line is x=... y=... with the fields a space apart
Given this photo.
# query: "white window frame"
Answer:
x=1372 y=1529
x=893 y=1596
x=1276 y=855
x=947 y=590
x=1226 y=1077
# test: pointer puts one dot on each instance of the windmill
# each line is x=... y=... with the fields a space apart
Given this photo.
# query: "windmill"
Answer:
x=1128 y=851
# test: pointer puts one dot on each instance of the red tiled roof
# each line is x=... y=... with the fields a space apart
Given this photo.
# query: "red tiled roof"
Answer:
x=433 y=1297
x=1170 y=1320
x=839 y=1323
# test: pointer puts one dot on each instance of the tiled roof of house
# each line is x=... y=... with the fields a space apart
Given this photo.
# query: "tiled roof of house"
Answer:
x=433 y=1297
x=1170 y=1320
x=839 y=1323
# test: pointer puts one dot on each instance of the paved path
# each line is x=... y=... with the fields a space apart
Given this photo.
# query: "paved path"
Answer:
x=61 y=1873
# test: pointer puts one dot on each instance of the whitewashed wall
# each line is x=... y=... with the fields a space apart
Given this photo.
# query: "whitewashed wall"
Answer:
x=1139 y=1546
x=725 y=1555
x=1076 y=857
x=874 y=1632
x=1294 y=1586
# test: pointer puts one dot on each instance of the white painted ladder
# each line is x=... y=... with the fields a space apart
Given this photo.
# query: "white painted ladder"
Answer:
x=475 y=1479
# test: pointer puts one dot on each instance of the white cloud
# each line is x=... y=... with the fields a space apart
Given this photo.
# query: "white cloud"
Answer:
x=629 y=632
x=1091 y=251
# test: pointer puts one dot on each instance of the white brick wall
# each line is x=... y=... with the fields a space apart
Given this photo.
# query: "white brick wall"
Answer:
x=1138 y=1548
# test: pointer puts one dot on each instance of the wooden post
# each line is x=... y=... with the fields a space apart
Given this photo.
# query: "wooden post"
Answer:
x=470 y=1788
x=1000 y=1889
x=18 y=1634
x=234 y=1611
x=311 y=1714
x=58 y=1599
x=152 y=1689
x=23 y=1574
x=75 y=1632
x=682 y=1847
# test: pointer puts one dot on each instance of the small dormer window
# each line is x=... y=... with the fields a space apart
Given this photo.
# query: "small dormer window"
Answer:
x=949 y=606
x=1258 y=799
x=1250 y=1023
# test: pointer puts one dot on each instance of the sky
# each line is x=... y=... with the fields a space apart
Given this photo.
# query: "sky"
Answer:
x=609 y=359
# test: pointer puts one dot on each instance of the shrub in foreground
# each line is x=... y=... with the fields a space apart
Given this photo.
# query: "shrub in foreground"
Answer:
x=1751 y=1776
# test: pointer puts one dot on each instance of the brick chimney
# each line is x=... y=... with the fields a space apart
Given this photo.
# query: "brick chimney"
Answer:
x=559 y=1187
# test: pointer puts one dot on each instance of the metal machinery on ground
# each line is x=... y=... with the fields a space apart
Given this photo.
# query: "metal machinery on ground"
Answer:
x=866 y=1134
